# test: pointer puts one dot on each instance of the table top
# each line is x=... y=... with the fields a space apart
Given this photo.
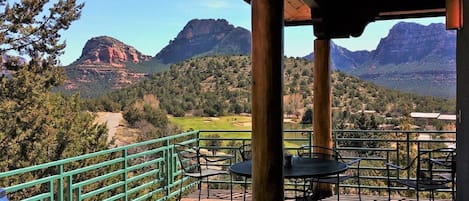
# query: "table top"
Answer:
x=301 y=168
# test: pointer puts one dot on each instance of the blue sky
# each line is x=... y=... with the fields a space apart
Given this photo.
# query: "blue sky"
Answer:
x=149 y=25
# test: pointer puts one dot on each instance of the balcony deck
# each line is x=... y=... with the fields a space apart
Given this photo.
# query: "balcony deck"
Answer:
x=149 y=170
x=217 y=195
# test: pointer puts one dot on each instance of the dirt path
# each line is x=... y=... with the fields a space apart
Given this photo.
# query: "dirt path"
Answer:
x=112 y=121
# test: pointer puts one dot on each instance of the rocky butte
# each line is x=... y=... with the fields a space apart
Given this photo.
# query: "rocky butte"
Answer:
x=110 y=52
x=104 y=63
x=202 y=37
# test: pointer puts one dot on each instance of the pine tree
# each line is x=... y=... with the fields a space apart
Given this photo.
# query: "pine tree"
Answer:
x=37 y=126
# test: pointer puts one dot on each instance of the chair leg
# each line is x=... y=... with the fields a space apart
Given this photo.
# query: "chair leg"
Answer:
x=200 y=188
x=337 y=187
x=359 y=187
x=208 y=189
x=231 y=187
x=389 y=191
x=245 y=188
x=180 y=189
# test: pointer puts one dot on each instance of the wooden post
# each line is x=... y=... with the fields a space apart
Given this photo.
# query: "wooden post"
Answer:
x=267 y=103
x=322 y=104
x=462 y=107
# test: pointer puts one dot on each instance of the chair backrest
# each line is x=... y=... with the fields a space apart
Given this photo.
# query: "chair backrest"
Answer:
x=189 y=158
x=246 y=152
x=424 y=163
x=318 y=152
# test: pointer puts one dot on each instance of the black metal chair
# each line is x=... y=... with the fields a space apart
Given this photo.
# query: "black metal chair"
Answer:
x=424 y=177
x=447 y=162
x=245 y=152
x=332 y=154
x=190 y=160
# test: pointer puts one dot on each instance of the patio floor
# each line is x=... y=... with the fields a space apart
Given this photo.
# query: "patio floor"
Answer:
x=217 y=195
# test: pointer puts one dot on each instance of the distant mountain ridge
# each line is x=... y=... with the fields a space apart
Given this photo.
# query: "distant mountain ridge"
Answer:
x=107 y=63
x=412 y=42
x=412 y=57
x=206 y=37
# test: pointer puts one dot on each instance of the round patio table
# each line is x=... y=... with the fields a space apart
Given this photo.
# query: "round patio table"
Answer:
x=301 y=168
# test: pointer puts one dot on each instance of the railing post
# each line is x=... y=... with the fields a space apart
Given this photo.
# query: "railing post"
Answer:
x=79 y=193
x=69 y=187
x=168 y=165
x=198 y=139
x=51 y=190
x=125 y=176
x=61 y=183
x=408 y=146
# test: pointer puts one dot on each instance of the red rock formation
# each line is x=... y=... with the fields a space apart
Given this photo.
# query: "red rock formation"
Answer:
x=109 y=52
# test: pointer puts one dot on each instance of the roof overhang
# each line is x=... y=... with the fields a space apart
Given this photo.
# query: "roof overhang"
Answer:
x=345 y=18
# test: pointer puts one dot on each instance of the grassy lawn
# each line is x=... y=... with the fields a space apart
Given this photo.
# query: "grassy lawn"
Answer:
x=213 y=123
x=233 y=123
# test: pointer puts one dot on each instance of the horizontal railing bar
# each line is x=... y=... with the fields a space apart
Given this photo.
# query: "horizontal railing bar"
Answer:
x=393 y=131
x=143 y=175
x=365 y=149
x=148 y=195
x=115 y=197
x=98 y=178
x=102 y=190
x=39 y=197
x=225 y=131
x=93 y=167
x=144 y=153
x=32 y=183
x=148 y=163
x=145 y=185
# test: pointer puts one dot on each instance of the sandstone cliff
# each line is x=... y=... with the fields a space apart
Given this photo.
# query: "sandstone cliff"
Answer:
x=206 y=37
x=110 y=52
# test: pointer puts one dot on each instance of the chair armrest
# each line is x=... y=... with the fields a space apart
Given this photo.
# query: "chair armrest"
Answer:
x=441 y=162
x=213 y=159
x=354 y=161
x=396 y=166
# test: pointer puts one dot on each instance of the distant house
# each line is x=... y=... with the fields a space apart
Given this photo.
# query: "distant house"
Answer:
x=424 y=115
x=449 y=117
x=368 y=111
x=438 y=116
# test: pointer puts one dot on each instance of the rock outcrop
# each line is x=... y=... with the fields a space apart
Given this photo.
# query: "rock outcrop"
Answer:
x=104 y=65
x=412 y=57
x=412 y=42
x=110 y=52
x=206 y=37
x=344 y=59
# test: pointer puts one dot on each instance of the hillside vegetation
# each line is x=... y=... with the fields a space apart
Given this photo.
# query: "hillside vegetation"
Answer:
x=221 y=85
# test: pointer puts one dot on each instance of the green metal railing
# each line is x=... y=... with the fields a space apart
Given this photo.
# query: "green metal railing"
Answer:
x=133 y=172
x=149 y=170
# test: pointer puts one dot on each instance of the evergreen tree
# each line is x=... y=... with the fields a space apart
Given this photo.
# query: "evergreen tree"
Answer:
x=37 y=126
x=307 y=117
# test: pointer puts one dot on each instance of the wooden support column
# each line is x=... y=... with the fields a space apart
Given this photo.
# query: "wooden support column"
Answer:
x=267 y=101
x=462 y=107
x=322 y=104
